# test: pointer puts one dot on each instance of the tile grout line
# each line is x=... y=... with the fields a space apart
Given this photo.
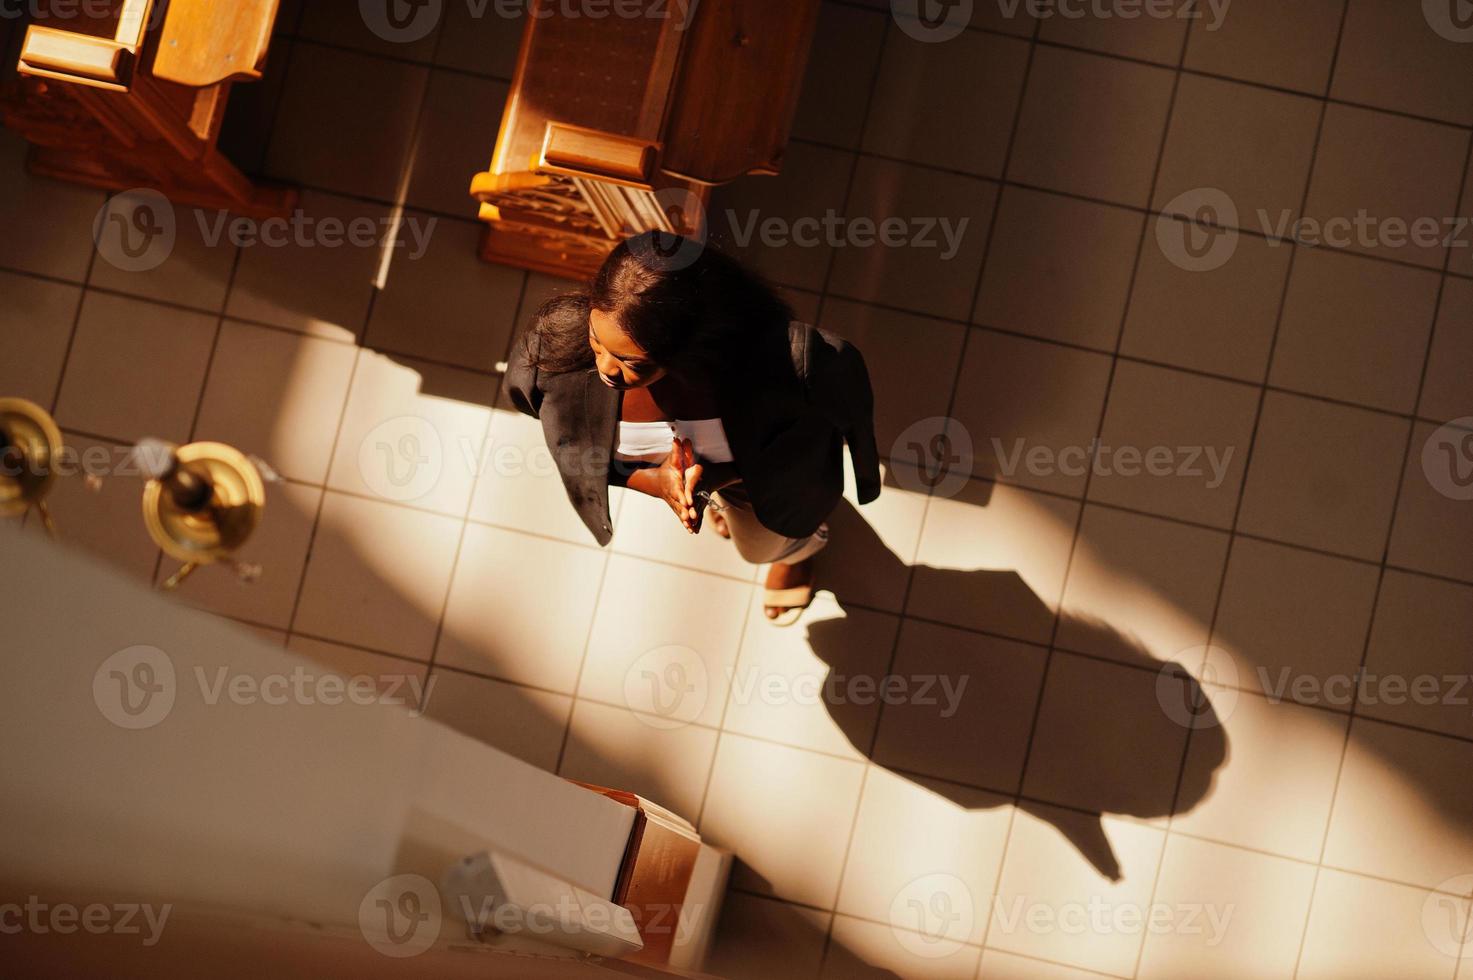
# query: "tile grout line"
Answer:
x=1381 y=571
x=1147 y=209
x=603 y=577
x=220 y=318
x=951 y=402
x=322 y=496
x=1146 y=231
x=204 y=384
x=1263 y=389
x=972 y=325
x=1350 y=726
x=868 y=607
x=956 y=388
x=606 y=558
x=1003 y=797
x=360 y=335
x=1058 y=614
x=327 y=475
x=76 y=317
x=470 y=503
x=490 y=373
x=297 y=37
x=1187 y=70
x=1026 y=490
x=857 y=157
x=726 y=702
x=856 y=756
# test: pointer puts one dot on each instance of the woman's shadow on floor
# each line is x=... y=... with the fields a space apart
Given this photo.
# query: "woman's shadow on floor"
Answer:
x=1104 y=740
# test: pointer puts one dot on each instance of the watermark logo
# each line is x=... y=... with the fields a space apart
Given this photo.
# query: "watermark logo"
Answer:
x=40 y=918
x=1101 y=918
x=1366 y=688
x=1186 y=701
x=940 y=450
x=944 y=235
x=1198 y=230
x=135 y=231
x=667 y=687
x=1447 y=922
x=401 y=21
x=669 y=251
x=932 y=21
x=302 y=230
x=402 y=458
x=135 y=688
x=401 y=916
x=1211 y=12
x=933 y=916
x=1447 y=459
x=1451 y=19
x=102 y=12
x=407 y=21
x=1206 y=463
x=138 y=687
x=943 y=692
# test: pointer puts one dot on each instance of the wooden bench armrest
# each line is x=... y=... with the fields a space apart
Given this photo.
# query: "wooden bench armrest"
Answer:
x=74 y=57
x=581 y=152
x=206 y=42
x=86 y=59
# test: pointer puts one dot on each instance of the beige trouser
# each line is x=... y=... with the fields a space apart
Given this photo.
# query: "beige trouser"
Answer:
x=756 y=543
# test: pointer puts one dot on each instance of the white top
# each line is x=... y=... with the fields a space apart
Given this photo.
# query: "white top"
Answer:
x=651 y=441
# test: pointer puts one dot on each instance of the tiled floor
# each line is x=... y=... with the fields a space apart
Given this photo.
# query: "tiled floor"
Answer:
x=1294 y=519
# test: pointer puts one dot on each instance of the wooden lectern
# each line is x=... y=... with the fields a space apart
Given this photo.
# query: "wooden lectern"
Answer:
x=622 y=124
x=135 y=98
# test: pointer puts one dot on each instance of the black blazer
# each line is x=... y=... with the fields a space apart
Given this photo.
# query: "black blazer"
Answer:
x=786 y=430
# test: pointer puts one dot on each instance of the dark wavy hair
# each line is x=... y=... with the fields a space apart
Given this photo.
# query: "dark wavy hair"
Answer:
x=685 y=313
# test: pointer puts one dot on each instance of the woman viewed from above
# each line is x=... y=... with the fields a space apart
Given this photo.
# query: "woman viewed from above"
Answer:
x=688 y=380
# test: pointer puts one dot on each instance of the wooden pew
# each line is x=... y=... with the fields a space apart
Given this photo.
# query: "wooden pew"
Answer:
x=136 y=98
x=619 y=125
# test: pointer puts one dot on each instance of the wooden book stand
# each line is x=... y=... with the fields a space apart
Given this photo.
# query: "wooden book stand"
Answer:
x=619 y=125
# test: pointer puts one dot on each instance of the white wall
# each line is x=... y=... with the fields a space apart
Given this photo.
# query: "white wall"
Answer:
x=293 y=809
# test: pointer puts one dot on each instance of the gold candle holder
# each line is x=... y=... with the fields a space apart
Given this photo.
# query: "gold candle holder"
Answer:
x=30 y=444
x=201 y=504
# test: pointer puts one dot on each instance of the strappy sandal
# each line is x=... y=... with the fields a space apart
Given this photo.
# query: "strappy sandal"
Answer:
x=791 y=601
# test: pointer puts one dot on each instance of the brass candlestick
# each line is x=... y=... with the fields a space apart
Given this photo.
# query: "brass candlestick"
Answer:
x=30 y=443
x=201 y=504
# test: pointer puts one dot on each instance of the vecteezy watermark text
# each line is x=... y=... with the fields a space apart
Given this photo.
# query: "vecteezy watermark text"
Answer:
x=408 y=21
x=1367 y=688
x=1199 y=230
x=137 y=230
x=837 y=231
x=935 y=915
x=1192 y=462
x=1211 y=13
x=39 y=918
x=305 y=231
x=1101 y=918
x=101 y=11
x=407 y=914
x=137 y=688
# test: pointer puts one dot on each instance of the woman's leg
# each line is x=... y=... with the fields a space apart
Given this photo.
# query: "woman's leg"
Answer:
x=791 y=573
x=756 y=543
